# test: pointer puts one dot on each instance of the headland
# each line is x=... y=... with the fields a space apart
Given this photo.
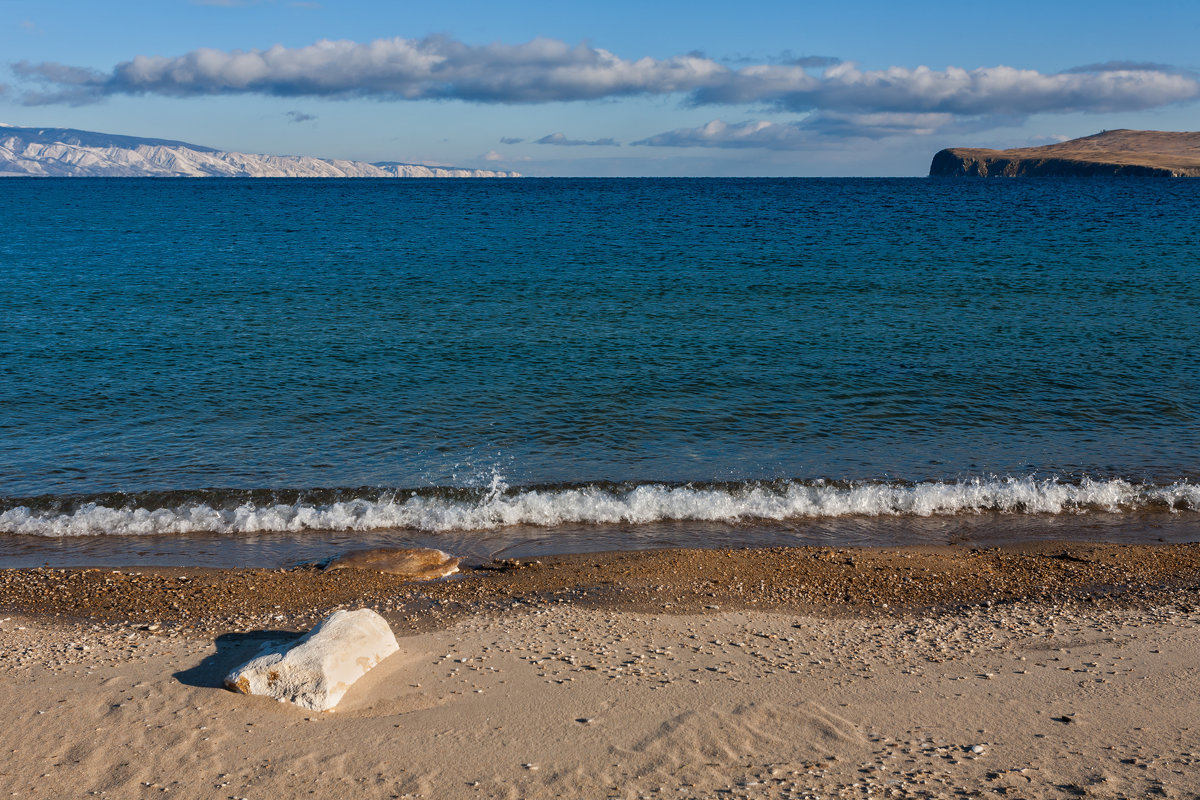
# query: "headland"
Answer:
x=1124 y=153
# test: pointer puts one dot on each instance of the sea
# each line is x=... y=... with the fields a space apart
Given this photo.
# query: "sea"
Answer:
x=225 y=372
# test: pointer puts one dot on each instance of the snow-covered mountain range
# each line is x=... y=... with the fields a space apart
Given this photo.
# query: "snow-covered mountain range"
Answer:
x=64 y=152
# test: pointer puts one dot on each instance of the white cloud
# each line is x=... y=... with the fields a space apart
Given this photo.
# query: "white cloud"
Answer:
x=721 y=134
x=549 y=70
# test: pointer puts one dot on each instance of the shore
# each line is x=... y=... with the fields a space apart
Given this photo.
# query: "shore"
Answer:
x=1050 y=670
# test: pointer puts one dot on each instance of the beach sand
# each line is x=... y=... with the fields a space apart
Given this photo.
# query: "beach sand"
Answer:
x=1056 y=670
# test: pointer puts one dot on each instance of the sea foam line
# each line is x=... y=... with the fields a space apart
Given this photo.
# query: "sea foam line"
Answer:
x=641 y=504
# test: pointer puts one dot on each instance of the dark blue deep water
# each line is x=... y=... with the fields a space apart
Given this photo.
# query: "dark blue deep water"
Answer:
x=461 y=358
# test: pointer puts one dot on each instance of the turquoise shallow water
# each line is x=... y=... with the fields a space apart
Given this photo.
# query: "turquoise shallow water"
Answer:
x=565 y=359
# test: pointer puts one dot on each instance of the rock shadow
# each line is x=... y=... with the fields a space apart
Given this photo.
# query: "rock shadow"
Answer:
x=233 y=649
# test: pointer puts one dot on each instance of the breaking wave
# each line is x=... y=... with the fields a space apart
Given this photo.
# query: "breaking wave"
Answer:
x=627 y=504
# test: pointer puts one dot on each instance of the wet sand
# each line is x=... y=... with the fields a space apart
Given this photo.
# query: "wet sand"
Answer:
x=1052 y=670
x=820 y=580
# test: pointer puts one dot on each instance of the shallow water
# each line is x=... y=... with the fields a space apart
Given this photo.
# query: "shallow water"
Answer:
x=282 y=549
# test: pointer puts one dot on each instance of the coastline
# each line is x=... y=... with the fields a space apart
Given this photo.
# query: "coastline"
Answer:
x=1043 y=670
x=821 y=580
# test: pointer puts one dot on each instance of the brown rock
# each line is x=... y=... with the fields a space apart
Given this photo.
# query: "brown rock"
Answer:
x=420 y=563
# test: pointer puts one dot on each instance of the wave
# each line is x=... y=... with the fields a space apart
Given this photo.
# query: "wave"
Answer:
x=500 y=506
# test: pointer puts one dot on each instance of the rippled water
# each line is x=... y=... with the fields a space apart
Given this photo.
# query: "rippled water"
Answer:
x=614 y=355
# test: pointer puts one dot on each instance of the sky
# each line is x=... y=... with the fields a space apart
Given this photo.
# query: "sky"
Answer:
x=706 y=87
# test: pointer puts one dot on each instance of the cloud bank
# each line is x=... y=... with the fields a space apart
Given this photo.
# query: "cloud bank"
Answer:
x=803 y=134
x=561 y=139
x=549 y=70
x=985 y=90
x=539 y=71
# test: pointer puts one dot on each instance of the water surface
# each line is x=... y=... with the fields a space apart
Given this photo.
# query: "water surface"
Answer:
x=594 y=362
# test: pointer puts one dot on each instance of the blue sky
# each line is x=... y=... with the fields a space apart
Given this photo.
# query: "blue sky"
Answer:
x=623 y=88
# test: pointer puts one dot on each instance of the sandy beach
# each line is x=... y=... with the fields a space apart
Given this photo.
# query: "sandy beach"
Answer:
x=1056 y=670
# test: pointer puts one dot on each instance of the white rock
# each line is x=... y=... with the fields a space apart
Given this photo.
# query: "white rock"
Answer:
x=315 y=670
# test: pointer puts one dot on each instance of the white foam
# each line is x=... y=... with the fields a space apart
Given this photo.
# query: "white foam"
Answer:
x=638 y=505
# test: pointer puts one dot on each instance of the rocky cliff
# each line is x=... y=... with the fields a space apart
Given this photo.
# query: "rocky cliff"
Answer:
x=1110 y=153
x=62 y=152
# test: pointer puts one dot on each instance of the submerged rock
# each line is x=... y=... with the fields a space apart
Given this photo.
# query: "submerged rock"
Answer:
x=317 y=669
x=421 y=563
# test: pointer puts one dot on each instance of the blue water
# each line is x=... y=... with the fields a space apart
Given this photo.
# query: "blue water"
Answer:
x=432 y=358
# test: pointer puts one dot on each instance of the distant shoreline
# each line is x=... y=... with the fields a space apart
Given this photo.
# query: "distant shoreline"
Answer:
x=67 y=152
